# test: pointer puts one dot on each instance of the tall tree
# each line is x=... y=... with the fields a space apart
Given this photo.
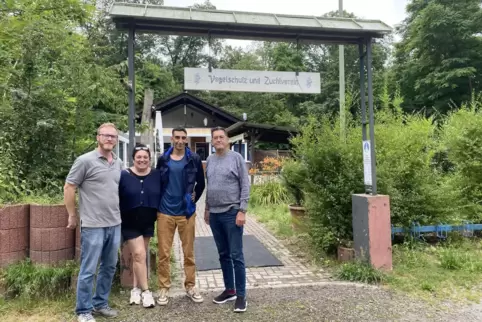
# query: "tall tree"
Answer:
x=49 y=85
x=439 y=59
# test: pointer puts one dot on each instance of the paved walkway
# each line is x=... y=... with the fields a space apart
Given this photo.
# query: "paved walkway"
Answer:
x=292 y=273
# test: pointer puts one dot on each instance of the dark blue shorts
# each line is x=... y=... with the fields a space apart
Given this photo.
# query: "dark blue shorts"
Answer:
x=132 y=233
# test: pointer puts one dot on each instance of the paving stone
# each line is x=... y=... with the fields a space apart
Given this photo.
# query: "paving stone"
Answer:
x=291 y=274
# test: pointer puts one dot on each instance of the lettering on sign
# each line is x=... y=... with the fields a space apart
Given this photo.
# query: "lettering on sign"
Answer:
x=251 y=81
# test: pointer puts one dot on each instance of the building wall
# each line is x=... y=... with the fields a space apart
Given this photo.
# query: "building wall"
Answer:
x=193 y=118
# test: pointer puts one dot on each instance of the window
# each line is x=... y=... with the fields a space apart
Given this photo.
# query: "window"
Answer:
x=244 y=148
x=120 y=154
x=202 y=149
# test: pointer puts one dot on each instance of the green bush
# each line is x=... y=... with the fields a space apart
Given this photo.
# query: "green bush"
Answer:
x=461 y=141
x=405 y=150
x=31 y=282
x=293 y=175
x=333 y=174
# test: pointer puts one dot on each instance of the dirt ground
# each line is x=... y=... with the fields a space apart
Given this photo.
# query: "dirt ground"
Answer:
x=320 y=303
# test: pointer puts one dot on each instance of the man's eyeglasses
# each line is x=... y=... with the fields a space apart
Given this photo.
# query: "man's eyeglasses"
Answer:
x=143 y=148
x=109 y=136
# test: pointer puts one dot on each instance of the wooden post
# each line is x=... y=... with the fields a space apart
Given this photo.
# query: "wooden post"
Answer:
x=146 y=136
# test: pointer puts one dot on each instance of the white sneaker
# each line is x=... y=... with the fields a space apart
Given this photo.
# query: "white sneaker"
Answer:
x=86 y=317
x=194 y=295
x=163 y=299
x=135 y=296
x=147 y=299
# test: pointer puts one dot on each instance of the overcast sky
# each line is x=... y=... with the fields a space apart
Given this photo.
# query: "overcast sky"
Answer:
x=391 y=12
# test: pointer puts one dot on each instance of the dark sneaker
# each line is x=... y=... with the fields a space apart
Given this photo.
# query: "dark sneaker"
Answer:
x=241 y=304
x=224 y=297
x=106 y=312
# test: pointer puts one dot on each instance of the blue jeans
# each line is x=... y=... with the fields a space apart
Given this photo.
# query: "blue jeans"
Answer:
x=103 y=244
x=229 y=241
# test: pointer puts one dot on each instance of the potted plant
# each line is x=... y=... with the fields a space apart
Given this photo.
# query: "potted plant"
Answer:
x=293 y=176
x=345 y=251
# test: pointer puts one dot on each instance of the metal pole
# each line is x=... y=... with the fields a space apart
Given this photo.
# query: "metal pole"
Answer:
x=132 y=92
x=371 y=116
x=361 y=52
x=341 y=50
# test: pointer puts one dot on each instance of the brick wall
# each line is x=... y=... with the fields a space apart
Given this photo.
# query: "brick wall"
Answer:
x=14 y=233
x=50 y=239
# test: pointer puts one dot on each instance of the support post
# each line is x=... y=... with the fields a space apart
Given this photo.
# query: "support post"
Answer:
x=253 y=139
x=371 y=213
x=132 y=93
x=341 y=59
x=361 y=52
x=371 y=117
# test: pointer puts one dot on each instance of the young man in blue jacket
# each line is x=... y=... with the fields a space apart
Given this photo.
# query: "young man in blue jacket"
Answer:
x=182 y=177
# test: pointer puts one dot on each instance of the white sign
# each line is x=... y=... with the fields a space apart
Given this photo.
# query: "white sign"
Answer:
x=367 y=163
x=251 y=81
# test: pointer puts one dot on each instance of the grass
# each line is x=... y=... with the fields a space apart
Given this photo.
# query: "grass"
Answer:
x=359 y=272
x=276 y=218
x=36 y=292
x=451 y=270
x=43 y=293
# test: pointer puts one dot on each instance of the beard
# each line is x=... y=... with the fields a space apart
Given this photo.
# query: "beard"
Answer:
x=106 y=146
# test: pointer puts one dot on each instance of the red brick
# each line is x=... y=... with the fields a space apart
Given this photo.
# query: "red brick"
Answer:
x=5 y=217
x=61 y=215
x=13 y=216
x=13 y=257
x=77 y=236
x=25 y=216
x=45 y=257
x=35 y=216
x=48 y=216
x=69 y=238
x=52 y=257
x=35 y=239
x=16 y=238
x=4 y=241
x=35 y=256
x=69 y=253
x=50 y=239
x=27 y=236
x=77 y=253
x=126 y=273
x=45 y=239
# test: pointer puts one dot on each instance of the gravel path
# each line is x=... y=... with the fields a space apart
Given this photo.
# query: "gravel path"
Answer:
x=331 y=302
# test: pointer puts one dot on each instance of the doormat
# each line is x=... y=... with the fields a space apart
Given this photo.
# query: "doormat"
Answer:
x=255 y=253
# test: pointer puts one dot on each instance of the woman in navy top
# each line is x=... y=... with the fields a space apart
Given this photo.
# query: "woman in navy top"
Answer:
x=139 y=196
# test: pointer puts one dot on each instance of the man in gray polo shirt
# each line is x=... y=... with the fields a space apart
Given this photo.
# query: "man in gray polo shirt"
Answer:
x=96 y=174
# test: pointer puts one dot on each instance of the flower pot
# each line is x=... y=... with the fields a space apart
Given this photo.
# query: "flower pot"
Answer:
x=298 y=217
x=346 y=254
